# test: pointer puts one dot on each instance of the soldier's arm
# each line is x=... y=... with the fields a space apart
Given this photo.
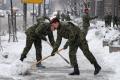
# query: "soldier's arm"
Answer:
x=51 y=38
x=57 y=43
x=91 y=18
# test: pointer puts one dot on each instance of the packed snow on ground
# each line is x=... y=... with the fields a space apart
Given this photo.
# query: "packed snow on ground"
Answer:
x=12 y=66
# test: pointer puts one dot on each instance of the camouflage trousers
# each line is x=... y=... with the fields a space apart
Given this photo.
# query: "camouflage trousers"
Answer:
x=82 y=44
x=37 y=43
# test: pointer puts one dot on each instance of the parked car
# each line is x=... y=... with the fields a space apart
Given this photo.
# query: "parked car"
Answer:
x=2 y=13
x=18 y=13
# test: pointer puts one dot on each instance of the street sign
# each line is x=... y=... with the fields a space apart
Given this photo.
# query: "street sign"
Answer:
x=32 y=1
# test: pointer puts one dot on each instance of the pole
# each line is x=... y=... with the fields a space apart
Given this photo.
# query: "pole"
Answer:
x=33 y=19
x=12 y=19
x=39 y=9
x=25 y=16
x=44 y=8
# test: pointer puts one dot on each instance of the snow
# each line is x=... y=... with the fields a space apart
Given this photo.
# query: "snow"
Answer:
x=57 y=67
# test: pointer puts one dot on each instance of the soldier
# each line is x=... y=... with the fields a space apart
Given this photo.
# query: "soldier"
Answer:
x=35 y=34
x=108 y=19
x=67 y=16
x=86 y=21
x=75 y=39
x=58 y=14
x=62 y=16
x=115 y=21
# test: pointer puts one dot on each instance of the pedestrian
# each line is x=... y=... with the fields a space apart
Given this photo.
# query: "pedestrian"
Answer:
x=62 y=17
x=115 y=21
x=76 y=39
x=86 y=21
x=58 y=15
x=35 y=34
x=67 y=16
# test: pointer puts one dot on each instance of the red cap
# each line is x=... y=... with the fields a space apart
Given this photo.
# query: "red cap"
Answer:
x=54 y=20
x=86 y=9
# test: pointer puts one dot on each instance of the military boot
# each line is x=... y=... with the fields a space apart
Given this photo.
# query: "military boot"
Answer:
x=97 y=68
x=40 y=66
x=76 y=71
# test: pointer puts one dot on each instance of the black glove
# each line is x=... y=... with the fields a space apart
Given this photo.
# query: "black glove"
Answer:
x=44 y=38
x=65 y=46
x=53 y=53
x=22 y=57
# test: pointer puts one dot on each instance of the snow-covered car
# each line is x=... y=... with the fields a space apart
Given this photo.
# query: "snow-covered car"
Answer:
x=2 y=13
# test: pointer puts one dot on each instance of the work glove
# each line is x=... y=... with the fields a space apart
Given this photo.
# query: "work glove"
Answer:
x=22 y=57
x=53 y=53
x=44 y=38
x=65 y=46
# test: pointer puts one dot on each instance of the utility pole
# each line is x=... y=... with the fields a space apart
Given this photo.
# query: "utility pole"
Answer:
x=39 y=9
x=33 y=19
x=25 y=16
x=44 y=8
x=13 y=24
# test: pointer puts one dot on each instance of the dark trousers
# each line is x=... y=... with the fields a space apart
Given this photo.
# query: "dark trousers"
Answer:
x=37 y=44
x=82 y=44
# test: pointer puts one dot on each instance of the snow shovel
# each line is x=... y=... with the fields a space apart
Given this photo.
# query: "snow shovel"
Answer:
x=26 y=72
x=45 y=58
x=60 y=54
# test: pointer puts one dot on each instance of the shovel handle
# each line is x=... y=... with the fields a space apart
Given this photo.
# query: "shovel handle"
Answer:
x=45 y=58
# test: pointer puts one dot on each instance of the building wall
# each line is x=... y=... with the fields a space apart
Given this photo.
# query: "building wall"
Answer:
x=112 y=6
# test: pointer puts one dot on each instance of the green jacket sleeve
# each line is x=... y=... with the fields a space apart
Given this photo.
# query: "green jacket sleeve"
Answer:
x=92 y=17
x=57 y=43
x=51 y=38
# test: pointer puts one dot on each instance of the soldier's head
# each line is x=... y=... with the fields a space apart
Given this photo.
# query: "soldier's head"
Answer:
x=54 y=23
x=86 y=10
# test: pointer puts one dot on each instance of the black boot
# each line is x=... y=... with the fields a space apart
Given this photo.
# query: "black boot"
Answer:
x=97 y=68
x=76 y=71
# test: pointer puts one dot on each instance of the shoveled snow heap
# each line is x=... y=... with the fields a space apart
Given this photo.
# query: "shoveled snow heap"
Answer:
x=16 y=68
x=20 y=68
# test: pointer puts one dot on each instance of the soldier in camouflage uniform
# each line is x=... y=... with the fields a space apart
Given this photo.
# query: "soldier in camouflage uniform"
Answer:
x=115 y=21
x=62 y=17
x=67 y=16
x=75 y=39
x=86 y=21
x=58 y=14
x=35 y=34
x=108 y=19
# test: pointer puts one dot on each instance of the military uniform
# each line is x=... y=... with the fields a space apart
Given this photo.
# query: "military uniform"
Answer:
x=86 y=22
x=34 y=35
x=58 y=15
x=108 y=19
x=67 y=17
x=75 y=39
x=115 y=21
x=62 y=17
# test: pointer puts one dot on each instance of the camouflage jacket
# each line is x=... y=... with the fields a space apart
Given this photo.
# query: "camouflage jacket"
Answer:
x=40 y=31
x=68 y=31
x=108 y=18
x=86 y=20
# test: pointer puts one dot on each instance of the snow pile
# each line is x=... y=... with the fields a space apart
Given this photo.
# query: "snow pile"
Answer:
x=16 y=68
x=19 y=67
x=113 y=60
